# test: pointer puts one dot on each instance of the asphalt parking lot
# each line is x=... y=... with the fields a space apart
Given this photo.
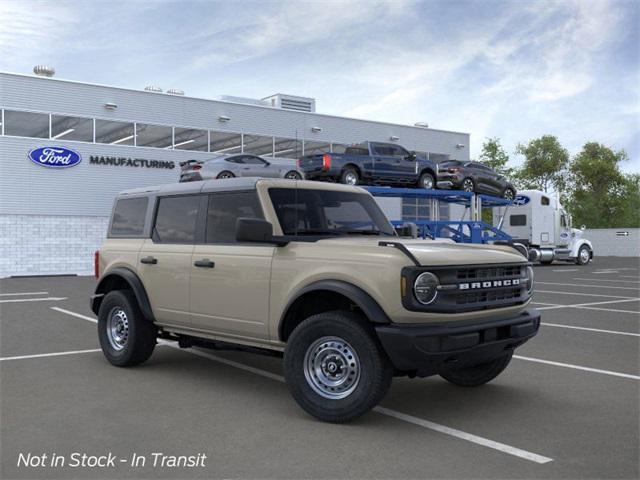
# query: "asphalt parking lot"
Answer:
x=567 y=406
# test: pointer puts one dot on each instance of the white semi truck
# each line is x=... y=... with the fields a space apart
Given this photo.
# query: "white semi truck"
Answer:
x=540 y=223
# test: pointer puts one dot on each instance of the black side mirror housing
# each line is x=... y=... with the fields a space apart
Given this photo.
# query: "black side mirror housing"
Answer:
x=412 y=156
x=256 y=230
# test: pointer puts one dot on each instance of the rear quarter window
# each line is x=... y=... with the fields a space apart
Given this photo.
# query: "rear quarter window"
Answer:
x=128 y=217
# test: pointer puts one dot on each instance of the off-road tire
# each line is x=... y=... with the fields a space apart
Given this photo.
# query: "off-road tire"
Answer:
x=579 y=259
x=478 y=374
x=424 y=178
x=347 y=174
x=142 y=333
x=376 y=371
x=225 y=174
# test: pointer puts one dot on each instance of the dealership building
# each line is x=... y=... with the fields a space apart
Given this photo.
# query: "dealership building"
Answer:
x=53 y=219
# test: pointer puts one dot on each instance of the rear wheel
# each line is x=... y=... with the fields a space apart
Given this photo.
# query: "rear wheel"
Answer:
x=349 y=176
x=584 y=255
x=509 y=194
x=335 y=368
x=225 y=174
x=478 y=374
x=293 y=175
x=427 y=181
x=126 y=337
x=468 y=185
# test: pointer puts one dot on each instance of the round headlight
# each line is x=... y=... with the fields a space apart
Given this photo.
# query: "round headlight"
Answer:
x=529 y=279
x=425 y=288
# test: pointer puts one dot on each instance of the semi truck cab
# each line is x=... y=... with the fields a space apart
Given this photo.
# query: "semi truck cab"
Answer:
x=539 y=222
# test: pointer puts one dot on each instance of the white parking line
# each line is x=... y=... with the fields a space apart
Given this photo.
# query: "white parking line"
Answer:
x=55 y=354
x=384 y=411
x=46 y=299
x=390 y=413
x=23 y=293
x=580 y=294
x=628 y=276
x=577 y=367
x=567 y=270
x=534 y=457
x=74 y=314
x=579 y=305
x=588 y=286
x=606 y=280
x=633 y=312
x=614 y=332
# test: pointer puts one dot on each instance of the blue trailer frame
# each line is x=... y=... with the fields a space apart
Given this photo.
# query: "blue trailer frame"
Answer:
x=461 y=231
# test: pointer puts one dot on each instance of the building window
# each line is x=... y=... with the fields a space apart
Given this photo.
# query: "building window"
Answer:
x=191 y=139
x=71 y=128
x=223 y=142
x=176 y=219
x=287 y=148
x=415 y=209
x=26 y=124
x=156 y=136
x=314 y=148
x=258 y=145
x=114 y=133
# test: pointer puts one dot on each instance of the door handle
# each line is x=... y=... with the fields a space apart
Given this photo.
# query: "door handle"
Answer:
x=150 y=260
x=204 y=263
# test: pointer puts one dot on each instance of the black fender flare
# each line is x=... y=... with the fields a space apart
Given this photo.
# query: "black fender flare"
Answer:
x=134 y=282
x=430 y=170
x=362 y=299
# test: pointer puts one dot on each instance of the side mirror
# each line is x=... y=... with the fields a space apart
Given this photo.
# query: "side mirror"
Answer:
x=253 y=230
x=412 y=156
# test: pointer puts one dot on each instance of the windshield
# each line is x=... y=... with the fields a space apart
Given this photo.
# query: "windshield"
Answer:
x=326 y=212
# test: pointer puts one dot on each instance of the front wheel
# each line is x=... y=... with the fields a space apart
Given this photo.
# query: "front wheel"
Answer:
x=126 y=337
x=427 y=181
x=584 y=255
x=478 y=374
x=335 y=368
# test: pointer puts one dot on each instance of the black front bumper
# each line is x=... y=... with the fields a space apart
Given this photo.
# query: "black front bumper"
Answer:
x=429 y=349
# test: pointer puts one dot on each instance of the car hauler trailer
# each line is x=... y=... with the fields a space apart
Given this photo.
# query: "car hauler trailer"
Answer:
x=538 y=221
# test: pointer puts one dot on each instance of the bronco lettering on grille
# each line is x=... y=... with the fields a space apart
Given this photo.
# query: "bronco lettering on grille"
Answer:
x=489 y=284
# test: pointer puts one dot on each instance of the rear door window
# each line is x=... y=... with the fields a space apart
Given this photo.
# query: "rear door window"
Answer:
x=176 y=219
x=128 y=217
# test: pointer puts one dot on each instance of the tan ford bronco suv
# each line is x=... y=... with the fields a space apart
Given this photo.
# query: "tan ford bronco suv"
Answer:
x=311 y=271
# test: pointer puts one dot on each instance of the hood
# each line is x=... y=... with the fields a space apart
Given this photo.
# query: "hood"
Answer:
x=440 y=252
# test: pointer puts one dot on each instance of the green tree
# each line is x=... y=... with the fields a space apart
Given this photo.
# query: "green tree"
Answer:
x=494 y=156
x=545 y=164
x=600 y=195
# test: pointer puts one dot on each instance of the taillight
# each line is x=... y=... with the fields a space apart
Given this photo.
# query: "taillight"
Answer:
x=299 y=163
x=454 y=170
x=326 y=161
x=196 y=167
x=96 y=264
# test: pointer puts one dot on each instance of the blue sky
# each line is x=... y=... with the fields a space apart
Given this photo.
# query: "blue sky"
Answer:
x=514 y=70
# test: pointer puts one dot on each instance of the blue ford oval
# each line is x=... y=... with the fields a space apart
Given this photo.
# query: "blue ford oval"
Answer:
x=55 y=157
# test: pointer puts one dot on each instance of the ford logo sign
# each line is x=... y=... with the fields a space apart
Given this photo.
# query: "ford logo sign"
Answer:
x=55 y=157
x=521 y=200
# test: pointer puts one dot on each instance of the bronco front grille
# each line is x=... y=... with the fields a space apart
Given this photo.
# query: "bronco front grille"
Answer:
x=472 y=288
